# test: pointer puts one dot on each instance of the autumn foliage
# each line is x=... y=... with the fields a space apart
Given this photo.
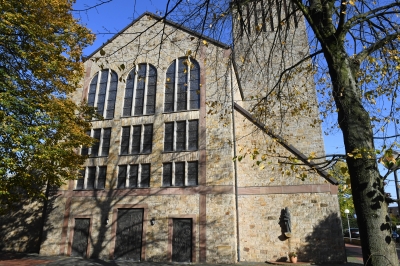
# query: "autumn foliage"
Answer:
x=40 y=128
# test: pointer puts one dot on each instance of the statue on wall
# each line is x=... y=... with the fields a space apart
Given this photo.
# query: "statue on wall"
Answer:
x=286 y=223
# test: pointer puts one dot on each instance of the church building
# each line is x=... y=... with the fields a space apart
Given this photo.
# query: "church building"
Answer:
x=193 y=161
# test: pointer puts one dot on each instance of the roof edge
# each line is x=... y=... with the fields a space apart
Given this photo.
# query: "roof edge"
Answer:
x=162 y=20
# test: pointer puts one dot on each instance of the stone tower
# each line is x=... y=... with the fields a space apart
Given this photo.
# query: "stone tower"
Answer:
x=269 y=39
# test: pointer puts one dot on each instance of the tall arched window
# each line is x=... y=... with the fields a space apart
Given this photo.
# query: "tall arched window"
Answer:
x=140 y=91
x=103 y=92
x=182 y=85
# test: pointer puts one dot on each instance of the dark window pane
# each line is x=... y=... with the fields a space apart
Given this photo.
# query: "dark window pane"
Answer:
x=126 y=133
x=180 y=136
x=169 y=137
x=179 y=174
x=92 y=90
x=192 y=173
x=105 y=146
x=193 y=135
x=151 y=90
x=101 y=178
x=194 y=85
x=130 y=82
x=182 y=85
x=81 y=179
x=136 y=136
x=167 y=174
x=101 y=97
x=85 y=150
x=91 y=177
x=95 y=148
x=147 y=138
x=112 y=94
x=145 y=175
x=141 y=82
x=121 y=176
x=169 y=89
x=133 y=175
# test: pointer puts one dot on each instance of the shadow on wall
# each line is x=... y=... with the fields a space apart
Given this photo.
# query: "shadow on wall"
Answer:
x=325 y=244
x=21 y=227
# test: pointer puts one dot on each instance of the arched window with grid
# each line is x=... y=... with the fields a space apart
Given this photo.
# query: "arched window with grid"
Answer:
x=182 y=86
x=140 y=91
x=103 y=92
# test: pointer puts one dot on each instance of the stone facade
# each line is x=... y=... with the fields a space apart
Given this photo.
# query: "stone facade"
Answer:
x=234 y=208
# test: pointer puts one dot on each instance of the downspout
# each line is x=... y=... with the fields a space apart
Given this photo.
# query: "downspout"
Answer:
x=235 y=166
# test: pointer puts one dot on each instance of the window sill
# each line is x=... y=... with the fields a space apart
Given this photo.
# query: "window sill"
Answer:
x=125 y=188
x=179 y=186
x=102 y=156
x=181 y=111
x=179 y=151
x=132 y=154
x=137 y=115
x=89 y=189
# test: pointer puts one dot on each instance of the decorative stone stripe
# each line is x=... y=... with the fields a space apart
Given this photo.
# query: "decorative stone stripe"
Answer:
x=319 y=188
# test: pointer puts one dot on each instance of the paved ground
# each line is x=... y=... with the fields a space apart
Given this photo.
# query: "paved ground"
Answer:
x=354 y=257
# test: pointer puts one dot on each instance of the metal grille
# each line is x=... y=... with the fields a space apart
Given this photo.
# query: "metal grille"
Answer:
x=81 y=236
x=128 y=244
x=182 y=240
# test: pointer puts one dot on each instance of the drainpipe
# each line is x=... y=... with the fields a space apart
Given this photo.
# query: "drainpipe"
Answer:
x=235 y=166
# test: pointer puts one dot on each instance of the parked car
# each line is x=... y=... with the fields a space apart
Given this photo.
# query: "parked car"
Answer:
x=396 y=236
x=355 y=233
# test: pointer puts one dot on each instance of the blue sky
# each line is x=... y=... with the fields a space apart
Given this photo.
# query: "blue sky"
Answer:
x=109 y=18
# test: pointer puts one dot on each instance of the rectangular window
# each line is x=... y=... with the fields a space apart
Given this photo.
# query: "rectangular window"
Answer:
x=133 y=176
x=180 y=174
x=126 y=132
x=181 y=136
x=101 y=146
x=93 y=177
x=140 y=138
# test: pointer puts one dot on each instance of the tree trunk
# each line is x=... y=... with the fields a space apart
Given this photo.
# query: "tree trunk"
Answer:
x=378 y=247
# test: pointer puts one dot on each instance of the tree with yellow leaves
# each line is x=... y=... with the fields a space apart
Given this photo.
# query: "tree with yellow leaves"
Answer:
x=40 y=128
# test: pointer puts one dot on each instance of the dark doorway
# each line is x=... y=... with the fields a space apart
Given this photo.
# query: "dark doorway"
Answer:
x=81 y=237
x=128 y=244
x=182 y=240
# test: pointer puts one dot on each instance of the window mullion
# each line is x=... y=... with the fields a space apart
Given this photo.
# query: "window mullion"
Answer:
x=90 y=147
x=130 y=140
x=146 y=84
x=85 y=178
x=96 y=95
x=176 y=85
x=187 y=135
x=107 y=94
x=175 y=136
x=96 y=176
x=100 y=151
x=141 y=138
x=185 y=180
x=127 y=176
x=139 y=177
x=134 y=92
x=173 y=174
x=188 y=85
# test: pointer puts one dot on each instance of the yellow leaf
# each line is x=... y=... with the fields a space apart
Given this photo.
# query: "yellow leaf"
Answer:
x=205 y=43
x=272 y=179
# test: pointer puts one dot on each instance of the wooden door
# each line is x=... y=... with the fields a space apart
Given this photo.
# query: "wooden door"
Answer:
x=128 y=244
x=182 y=240
x=81 y=238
